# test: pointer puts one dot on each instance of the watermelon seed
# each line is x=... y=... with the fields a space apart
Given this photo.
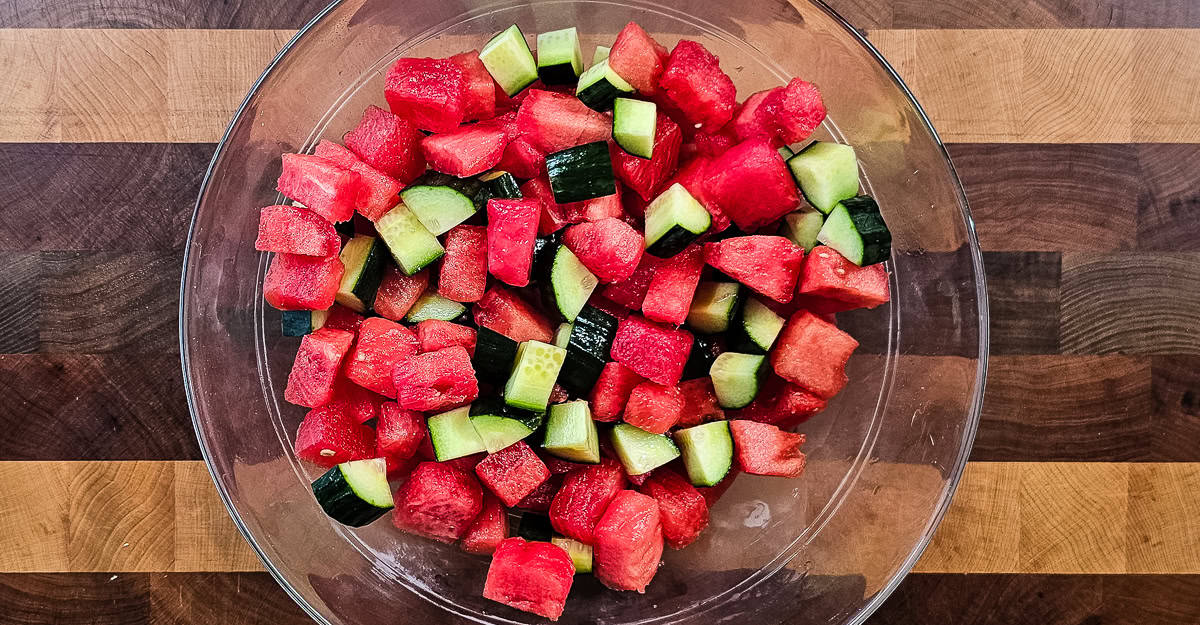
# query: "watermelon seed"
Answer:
x=327 y=452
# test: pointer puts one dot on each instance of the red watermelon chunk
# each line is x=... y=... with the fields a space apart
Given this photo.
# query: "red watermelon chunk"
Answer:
x=713 y=494
x=511 y=231
x=709 y=144
x=798 y=110
x=558 y=466
x=342 y=318
x=828 y=275
x=480 y=98
x=767 y=264
x=584 y=496
x=512 y=473
x=631 y=291
x=654 y=351
x=637 y=58
x=673 y=286
x=542 y=496
x=699 y=402
x=694 y=83
x=467 y=150
x=609 y=248
x=329 y=190
x=812 y=353
x=362 y=405
x=556 y=121
x=611 y=390
x=756 y=118
x=629 y=542
x=315 y=368
x=430 y=93
x=464 y=267
x=505 y=312
x=595 y=209
x=763 y=449
x=781 y=404
x=377 y=193
x=488 y=530
x=381 y=344
x=397 y=292
x=388 y=143
x=435 y=381
x=438 y=501
x=295 y=230
x=752 y=185
x=683 y=511
x=646 y=176
x=553 y=216
x=533 y=577
x=435 y=334
x=522 y=158
x=399 y=432
x=654 y=407
x=329 y=436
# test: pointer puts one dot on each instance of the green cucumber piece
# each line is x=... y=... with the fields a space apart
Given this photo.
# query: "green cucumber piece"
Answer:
x=640 y=451
x=355 y=493
x=581 y=553
x=857 y=231
x=736 y=378
x=802 y=227
x=412 y=245
x=570 y=284
x=453 y=435
x=713 y=307
x=785 y=152
x=588 y=349
x=508 y=59
x=600 y=54
x=559 y=57
x=544 y=249
x=494 y=356
x=827 y=173
x=579 y=173
x=433 y=306
x=301 y=322
x=571 y=434
x=496 y=184
x=673 y=220
x=441 y=201
x=535 y=528
x=633 y=126
x=364 y=259
x=707 y=452
x=599 y=86
x=533 y=375
x=700 y=359
x=756 y=328
x=500 y=425
x=562 y=335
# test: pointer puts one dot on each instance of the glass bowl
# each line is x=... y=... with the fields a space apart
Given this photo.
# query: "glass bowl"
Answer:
x=883 y=460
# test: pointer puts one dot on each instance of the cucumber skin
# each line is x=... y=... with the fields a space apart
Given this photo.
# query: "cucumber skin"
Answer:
x=494 y=356
x=587 y=355
x=673 y=242
x=579 y=173
x=338 y=500
x=877 y=239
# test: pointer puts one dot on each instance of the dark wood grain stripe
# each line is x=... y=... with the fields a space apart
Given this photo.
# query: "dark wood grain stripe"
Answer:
x=157 y=14
x=19 y=302
x=1023 y=297
x=1168 y=200
x=75 y=599
x=1175 y=384
x=227 y=598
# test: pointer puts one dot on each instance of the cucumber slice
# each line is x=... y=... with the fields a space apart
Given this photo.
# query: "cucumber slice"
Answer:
x=441 y=201
x=802 y=227
x=453 y=435
x=707 y=452
x=570 y=284
x=588 y=350
x=633 y=126
x=301 y=322
x=355 y=493
x=640 y=451
x=499 y=425
x=364 y=258
x=756 y=328
x=673 y=220
x=559 y=58
x=533 y=375
x=583 y=172
x=494 y=356
x=496 y=184
x=508 y=59
x=544 y=248
x=599 y=86
x=701 y=358
x=433 y=306
x=827 y=173
x=571 y=434
x=857 y=231
x=412 y=245
x=581 y=553
x=535 y=528
x=736 y=378
x=562 y=336
x=713 y=307
x=600 y=54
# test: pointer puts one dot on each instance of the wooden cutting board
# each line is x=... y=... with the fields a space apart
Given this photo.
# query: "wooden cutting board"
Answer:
x=1075 y=125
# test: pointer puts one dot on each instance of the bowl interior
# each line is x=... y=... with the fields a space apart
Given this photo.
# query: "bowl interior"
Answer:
x=883 y=458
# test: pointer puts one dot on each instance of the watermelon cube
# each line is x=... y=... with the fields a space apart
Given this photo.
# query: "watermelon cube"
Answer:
x=781 y=403
x=751 y=184
x=463 y=277
x=438 y=501
x=654 y=351
x=522 y=158
x=342 y=318
x=654 y=407
x=694 y=83
x=558 y=466
x=533 y=577
x=388 y=143
x=294 y=230
x=583 y=498
x=610 y=248
x=542 y=496
x=669 y=296
x=329 y=436
x=399 y=432
x=511 y=231
x=377 y=193
x=828 y=275
x=797 y=108
x=361 y=404
x=505 y=312
x=699 y=402
x=488 y=530
x=556 y=121
x=682 y=510
x=596 y=208
x=637 y=58
x=612 y=389
x=296 y=282
x=693 y=176
x=467 y=150
x=381 y=344
x=512 y=473
x=812 y=353
x=397 y=292
x=628 y=542
x=435 y=334
x=315 y=369
x=713 y=494
x=329 y=190
x=430 y=93
x=763 y=449
x=480 y=98
x=631 y=292
x=435 y=381
x=709 y=144
x=767 y=264
x=553 y=216
x=646 y=176
x=756 y=118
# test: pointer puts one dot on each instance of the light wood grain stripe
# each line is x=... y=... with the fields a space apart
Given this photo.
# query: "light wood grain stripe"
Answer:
x=1052 y=86
x=1109 y=518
